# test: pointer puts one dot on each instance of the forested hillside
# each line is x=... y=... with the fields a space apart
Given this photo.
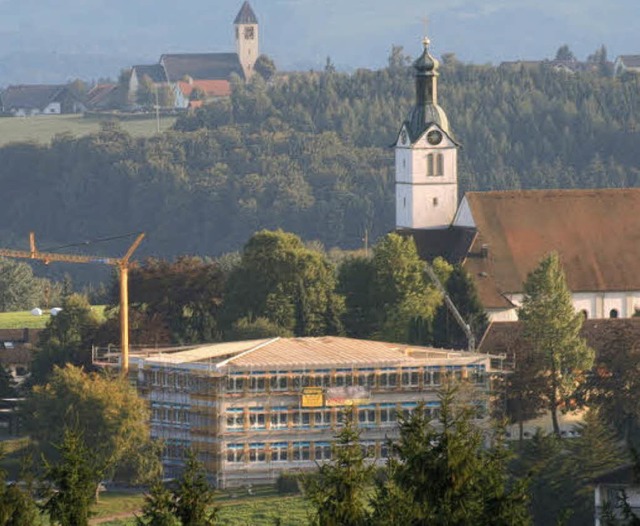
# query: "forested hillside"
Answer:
x=310 y=153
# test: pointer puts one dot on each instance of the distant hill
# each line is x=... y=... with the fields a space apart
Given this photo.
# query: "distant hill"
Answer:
x=55 y=41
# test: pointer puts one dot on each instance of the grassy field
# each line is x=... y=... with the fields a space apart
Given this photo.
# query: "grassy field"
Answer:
x=25 y=320
x=43 y=128
x=257 y=510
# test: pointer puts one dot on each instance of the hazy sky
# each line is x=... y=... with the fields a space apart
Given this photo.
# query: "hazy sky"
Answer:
x=104 y=35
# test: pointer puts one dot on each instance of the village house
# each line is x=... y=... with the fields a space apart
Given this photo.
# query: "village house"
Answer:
x=39 y=99
x=626 y=64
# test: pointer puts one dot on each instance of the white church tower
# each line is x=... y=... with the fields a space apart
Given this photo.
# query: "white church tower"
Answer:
x=247 y=45
x=426 y=157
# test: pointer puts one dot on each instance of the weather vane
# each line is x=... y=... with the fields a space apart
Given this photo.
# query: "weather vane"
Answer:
x=425 y=21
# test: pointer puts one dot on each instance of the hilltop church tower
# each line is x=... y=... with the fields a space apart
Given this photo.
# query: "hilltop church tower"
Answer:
x=247 y=46
x=426 y=157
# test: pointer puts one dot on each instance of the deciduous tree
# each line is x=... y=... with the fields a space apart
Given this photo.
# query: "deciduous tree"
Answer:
x=552 y=329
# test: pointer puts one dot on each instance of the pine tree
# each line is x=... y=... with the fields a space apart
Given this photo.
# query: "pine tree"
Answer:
x=552 y=329
x=194 y=496
x=158 y=508
x=338 y=491
x=71 y=482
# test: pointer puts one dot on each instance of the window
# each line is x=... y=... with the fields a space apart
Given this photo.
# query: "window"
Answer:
x=430 y=170
x=279 y=417
x=404 y=202
x=235 y=419
x=302 y=419
x=301 y=451
x=322 y=418
x=388 y=380
x=410 y=378
x=388 y=414
x=613 y=313
x=278 y=383
x=279 y=452
x=432 y=410
x=322 y=451
x=235 y=453
x=257 y=383
x=257 y=418
x=249 y=33
x=477 y=375
x=440 y=164
x=367 y=416
x=366 y=380
x=368 y=449
x=435 y=201
x=257 y=453
x=407 y=409
x=235 y=384
x=584 y=313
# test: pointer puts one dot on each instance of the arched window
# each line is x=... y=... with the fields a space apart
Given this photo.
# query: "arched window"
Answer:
x=430 y=165
x=613 y=313
x=440 y=164
x=404 y=202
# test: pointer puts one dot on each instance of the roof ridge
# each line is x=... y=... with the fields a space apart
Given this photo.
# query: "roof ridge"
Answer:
x=248 y=351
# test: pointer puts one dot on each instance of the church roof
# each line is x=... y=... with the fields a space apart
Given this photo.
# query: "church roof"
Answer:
x=201 y=66
x=246 y=15
x=595 y=232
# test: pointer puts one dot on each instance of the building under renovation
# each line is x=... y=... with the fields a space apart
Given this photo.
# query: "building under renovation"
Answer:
x=255 y=409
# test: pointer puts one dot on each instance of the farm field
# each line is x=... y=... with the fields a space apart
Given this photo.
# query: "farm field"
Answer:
x=42 y=128
x=25 y=320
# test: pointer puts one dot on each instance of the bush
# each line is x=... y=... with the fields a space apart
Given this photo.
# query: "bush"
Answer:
x=288 y=483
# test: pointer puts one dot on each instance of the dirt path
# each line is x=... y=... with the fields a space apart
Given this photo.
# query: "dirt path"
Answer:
x=124 y=515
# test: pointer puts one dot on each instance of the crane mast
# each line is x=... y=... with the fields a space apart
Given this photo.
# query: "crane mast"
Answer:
x=121 y=263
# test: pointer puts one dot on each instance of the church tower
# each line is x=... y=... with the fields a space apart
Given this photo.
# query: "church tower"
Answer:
x=426 y=157
x=247 y=47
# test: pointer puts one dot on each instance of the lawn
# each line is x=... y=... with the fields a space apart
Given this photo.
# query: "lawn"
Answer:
x=42 y=128
x=26 y=320
x=265 y=508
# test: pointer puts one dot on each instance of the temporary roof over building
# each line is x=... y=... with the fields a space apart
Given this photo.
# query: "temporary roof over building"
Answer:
x=211 y=88
x=630 y=61
x=201 y=66
x=328 y=351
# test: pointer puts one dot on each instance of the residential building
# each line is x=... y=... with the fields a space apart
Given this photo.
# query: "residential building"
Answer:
x=39 y=99
x=626 y=64
x=499 y=237
x=255 y=409
x=610 y=492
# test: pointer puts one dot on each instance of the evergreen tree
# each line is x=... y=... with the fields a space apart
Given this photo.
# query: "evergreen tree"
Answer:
x=158 y=508
x=71 y=482
x=447 y=476
x=552 y=329
x=338 y=492
x=19 y=288
x=194 y=496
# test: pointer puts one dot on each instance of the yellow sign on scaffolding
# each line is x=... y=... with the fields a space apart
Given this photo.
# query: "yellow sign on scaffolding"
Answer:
x=312 y=397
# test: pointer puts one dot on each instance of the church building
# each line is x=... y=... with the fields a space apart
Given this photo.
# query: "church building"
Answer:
x=501 y=236
x=208 y=72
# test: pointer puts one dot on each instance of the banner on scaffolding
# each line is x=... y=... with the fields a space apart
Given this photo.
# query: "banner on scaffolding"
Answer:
x=354 y=395
x=312 y=397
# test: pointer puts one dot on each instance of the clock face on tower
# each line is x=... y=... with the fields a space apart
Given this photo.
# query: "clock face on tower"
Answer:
x=434 y=137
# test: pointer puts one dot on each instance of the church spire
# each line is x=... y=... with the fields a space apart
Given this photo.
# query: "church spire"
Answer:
x=426 y=110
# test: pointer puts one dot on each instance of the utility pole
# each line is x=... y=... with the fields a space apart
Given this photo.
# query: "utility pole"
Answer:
x=123 y=267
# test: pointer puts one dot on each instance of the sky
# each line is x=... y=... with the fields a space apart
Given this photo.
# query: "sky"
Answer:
x=55 y=40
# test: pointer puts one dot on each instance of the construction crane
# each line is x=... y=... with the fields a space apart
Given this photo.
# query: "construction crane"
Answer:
x=471 y=339
x=121 y=263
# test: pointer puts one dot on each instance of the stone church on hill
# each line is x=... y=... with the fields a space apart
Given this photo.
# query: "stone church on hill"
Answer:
x=209 y=72
x=499 y=237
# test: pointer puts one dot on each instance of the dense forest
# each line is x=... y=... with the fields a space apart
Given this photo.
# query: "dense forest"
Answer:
x=309 y=153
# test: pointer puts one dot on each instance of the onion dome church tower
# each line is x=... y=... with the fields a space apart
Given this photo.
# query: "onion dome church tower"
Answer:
x=426 y=157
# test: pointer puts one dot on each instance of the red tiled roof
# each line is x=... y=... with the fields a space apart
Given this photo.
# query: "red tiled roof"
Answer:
x=212 y=88
x=595 y=232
